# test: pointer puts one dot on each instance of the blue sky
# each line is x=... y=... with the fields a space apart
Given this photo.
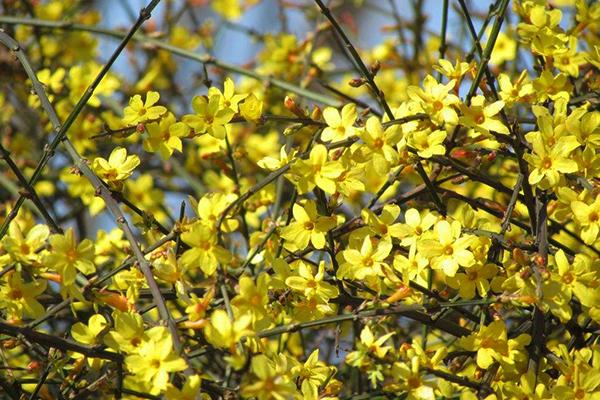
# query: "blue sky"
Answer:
x=237 y=47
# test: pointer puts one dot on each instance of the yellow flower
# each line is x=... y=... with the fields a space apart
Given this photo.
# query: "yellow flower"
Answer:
x=368 y=261
x=436 y=101
x=588 y=217
x=569 y=59
x=549 y=163
x=413 y=268
x=269 y=380
x=492 y=344
x=205 y=252
x=128 y=334
x=384 y=224
x=147 y=197
x=53 y=82
x=251 y=109
x=520 y=91
x=416 y=224
x=368 y=346
x=155 y=360
x=380 y=145
x=317 y=171
x=308 y=226
x=138 y=111
x=210 y=116
x=428 y=143
x=548 y=86
x=312 y=374
x=475 y=279
x=579 y=278
x=253 y=298
x=117 y=168
x=211 y=206
x=81 y=76
x=18 y=298
x=66 y=256
x=454 y=72
x=229 y=9
x=312 y=286
x=224 y=333
x=542 y=30
x=505 y=49
x=411 y=380
x=272 y=163
x=26 y=249
x=90 y=333
x=481 y=118
x=339 y=126
x=228 y=98
x=447 y=249
x=165 y=136
x=191 y=390
x=79 y=187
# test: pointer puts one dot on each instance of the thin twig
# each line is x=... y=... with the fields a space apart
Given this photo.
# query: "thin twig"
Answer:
x=355 y=57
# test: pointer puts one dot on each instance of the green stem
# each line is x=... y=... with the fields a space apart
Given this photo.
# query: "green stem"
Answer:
x=203 y=58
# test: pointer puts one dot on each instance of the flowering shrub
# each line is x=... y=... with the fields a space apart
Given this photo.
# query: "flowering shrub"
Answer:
x=415 y=220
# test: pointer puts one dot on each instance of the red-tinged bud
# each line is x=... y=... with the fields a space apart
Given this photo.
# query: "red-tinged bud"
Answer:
x=525 y=273
x=316 y=113
x=409 y=169
x=115 y=300
x=312 y=73
x=527 y=299
x=291 y=105
x=478 y=374
x=198 y=3
x=45 y=394
x=402 y=293
x=34 y=366
x=539 y=260
x=455 y=365
x=444 y=293
x=150 y=25
x=52 y=277
x=357 y=82
x=519 y=256
x=492 y=156
x=337 y=154
x=460 y=180
x=552 y=206
x=221 y=164
x=375 y=67
x=495 y=205
x=10 y=343
x=405 y=346
x=140 y=128
x=462 y=153
x=347 y=19
x=200 y=324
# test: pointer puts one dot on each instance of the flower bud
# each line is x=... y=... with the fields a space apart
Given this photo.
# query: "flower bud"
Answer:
x=357 y=82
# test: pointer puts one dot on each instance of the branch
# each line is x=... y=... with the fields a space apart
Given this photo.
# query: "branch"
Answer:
x=61 y=130
x=28 y=190
x=355 y=58
x=101 y=189
x=58 y=343
x=203 y=58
